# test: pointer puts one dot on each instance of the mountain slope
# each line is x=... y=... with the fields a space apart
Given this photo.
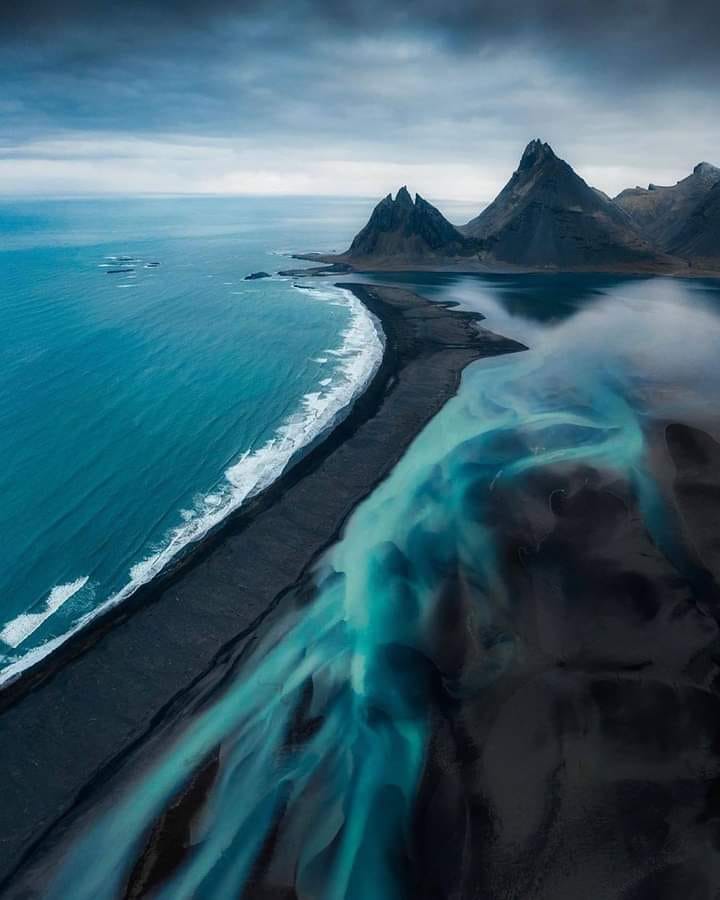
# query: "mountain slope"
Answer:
x=699 y=236
x=662 y=213
x=403 y=229
x=547 y=216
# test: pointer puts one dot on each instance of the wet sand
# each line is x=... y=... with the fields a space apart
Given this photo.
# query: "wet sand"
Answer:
x=464 y=265
x=73 y=721
x=589 y=766
x=585 y=763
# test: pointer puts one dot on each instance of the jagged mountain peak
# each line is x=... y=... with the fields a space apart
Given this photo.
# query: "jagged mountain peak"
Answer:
x=403 y=227
x=535 y=154
x=548 y=216
x=706 y=169
x=403 y=197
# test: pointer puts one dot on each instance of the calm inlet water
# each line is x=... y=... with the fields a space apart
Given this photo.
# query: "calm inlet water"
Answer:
x=608 y=357
x=147 y=389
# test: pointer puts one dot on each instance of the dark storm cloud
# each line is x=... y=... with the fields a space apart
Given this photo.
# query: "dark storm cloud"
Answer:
x=96 y=62
x=671 y=30
x=655 y=33
x=378 y=81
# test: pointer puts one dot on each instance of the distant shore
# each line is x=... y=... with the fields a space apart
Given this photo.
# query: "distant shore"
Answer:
x=72 y=721
x=469 y=266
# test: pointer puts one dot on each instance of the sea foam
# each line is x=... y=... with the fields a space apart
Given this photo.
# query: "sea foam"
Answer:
x=19 y=629
x=360 y=354
x=359 y=357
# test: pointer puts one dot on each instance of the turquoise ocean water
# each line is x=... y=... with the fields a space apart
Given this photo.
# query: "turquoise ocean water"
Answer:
x=137 y=408
x=608 y=358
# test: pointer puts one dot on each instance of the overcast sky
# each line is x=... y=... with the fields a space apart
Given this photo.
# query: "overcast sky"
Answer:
x=350 y=97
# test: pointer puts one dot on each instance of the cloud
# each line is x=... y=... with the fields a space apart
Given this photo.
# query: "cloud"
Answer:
x=661 y=34
x=350 y=97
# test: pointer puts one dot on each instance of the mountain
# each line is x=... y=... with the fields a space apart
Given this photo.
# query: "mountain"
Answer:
x=401 y=229
x=699 y=236
x=662 y=214
x=547 y=216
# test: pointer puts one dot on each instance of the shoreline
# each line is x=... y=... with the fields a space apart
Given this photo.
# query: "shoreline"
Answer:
x=463 y=266
x=183 y=538
x=111 y=687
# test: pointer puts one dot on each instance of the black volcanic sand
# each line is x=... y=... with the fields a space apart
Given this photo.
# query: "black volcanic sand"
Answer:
x=587 y=766
x=68 y=725
x=590 y=768
x=585 y=763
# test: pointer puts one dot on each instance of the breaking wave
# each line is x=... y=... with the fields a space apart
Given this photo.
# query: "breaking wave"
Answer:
x=358 y=356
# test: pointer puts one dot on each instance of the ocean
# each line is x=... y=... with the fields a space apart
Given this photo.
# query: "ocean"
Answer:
x=523 y=540
x=147 y=389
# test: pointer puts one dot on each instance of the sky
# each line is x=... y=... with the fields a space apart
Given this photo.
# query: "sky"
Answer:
x=351 y=98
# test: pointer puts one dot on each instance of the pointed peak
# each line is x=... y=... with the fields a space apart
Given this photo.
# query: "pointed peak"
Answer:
x=535 y=153
x=403 y=196
x=706 y=168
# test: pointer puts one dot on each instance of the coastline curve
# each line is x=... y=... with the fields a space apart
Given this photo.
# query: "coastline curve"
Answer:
x=229 y=584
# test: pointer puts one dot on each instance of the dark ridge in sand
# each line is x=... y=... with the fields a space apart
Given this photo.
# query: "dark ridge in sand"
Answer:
x=70 y=723
x=168 y=841
x=697 y=490
x=589 y=767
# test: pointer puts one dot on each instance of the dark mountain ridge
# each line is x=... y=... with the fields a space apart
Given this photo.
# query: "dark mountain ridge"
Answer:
x=699 y=237
x=662 y=213
x=412 y=230
x=548 y=218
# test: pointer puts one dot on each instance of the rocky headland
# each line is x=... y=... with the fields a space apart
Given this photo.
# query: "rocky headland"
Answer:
x=547 y=218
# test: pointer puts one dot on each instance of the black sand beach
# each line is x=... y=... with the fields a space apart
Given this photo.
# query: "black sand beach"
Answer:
x=584 y=763
x=70 y=723
x=589 y=767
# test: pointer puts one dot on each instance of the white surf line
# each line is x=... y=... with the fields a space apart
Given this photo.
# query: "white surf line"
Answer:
x=26 y=624
x=361 y=352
